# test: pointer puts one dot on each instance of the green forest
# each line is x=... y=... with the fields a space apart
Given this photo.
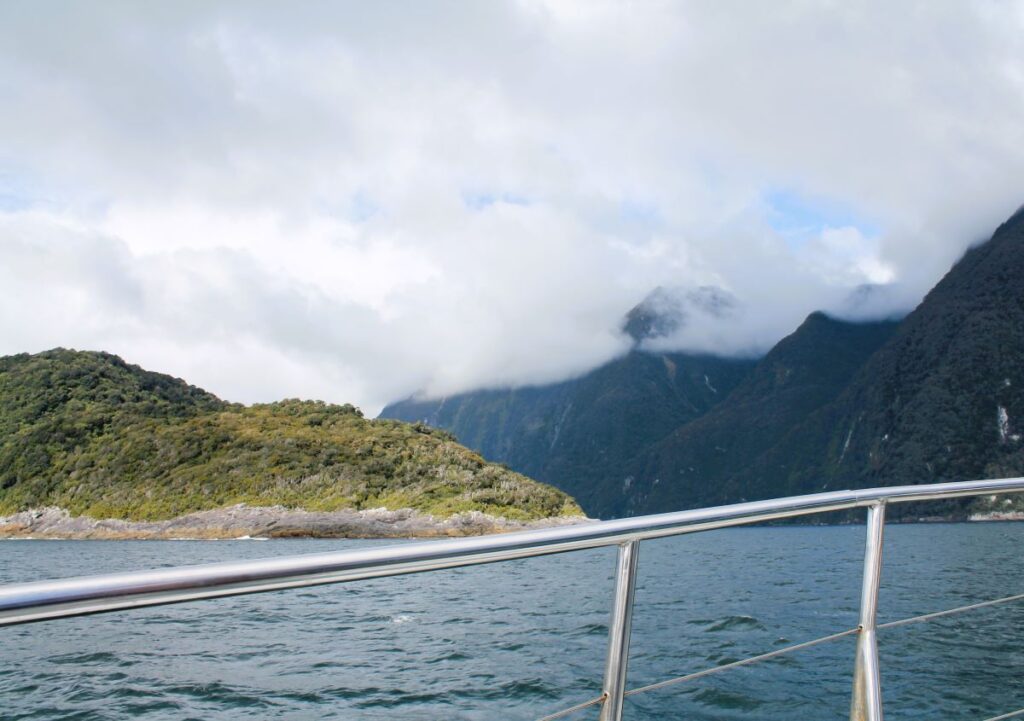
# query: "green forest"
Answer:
x=87 y=432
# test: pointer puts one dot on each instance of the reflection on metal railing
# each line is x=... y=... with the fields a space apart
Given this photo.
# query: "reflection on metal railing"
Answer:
x=573 y=709
x=796 y=647
x=950 y=611
x=46 y=600
x=744 y=662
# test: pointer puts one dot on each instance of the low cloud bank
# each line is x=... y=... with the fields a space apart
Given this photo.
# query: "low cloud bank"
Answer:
x=355 y=204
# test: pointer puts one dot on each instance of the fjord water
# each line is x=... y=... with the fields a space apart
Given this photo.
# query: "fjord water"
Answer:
x=521 y=639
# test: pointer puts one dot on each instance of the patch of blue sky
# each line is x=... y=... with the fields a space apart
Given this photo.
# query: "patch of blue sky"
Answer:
x=480 y=201
x=362 y=207
x=22 y=189
x=639 y=213
x=12 y=203
x=18 y=191
x=358 y=207
x=630 y=219
x=798 y=217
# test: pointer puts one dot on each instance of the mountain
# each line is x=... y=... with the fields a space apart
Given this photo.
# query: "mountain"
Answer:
x=937 y=396
x=667 y=310
x=89 y=433
x=941 y=399
x=578 y=433
x=696 y=464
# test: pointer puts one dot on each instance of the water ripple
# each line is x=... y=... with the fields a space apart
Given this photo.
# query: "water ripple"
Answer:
x=519 y=640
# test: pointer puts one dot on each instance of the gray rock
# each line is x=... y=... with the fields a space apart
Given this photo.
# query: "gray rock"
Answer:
x=244 y=521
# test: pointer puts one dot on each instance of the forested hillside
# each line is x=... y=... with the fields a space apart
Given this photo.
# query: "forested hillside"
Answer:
x=576 y=434
x=87 y=432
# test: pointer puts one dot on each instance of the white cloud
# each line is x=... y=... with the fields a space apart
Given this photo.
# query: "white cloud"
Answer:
x=845 y=257
x=358 y=201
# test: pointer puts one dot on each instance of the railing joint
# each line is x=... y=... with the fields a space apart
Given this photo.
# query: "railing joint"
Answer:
x=619 y=630
x=866 y=701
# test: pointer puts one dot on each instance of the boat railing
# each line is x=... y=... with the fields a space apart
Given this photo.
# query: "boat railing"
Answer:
x=61 y=598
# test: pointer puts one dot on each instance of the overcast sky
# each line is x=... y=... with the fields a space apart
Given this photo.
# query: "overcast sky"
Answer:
x=357 y=201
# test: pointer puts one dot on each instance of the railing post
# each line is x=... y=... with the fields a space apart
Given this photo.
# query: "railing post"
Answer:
x=618 y=632
x=866 y=704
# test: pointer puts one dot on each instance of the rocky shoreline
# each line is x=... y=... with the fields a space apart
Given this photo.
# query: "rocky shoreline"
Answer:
x=997 y=516
x=244 y=521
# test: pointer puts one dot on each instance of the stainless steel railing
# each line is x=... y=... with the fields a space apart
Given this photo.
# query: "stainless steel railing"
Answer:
x=47 y=600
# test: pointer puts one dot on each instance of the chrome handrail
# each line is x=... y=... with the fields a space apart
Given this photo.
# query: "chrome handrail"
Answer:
x=61 y=598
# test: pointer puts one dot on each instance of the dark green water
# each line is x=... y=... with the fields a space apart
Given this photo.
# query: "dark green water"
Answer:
x=521 y=639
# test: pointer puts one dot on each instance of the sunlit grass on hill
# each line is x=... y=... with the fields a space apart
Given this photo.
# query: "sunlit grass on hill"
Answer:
x=87 y=432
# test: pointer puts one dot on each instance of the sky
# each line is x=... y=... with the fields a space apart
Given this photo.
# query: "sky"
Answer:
x=358 y=201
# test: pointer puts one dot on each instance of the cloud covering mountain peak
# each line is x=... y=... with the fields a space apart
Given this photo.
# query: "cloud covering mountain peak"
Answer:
x=354 y=202
x=664 y=312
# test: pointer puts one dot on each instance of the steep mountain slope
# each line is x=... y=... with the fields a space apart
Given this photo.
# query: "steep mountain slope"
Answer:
x=574 y=434
x=943 y=400
x=940 y=400
x=693 y=465
x=92 y=434
x=937 y=397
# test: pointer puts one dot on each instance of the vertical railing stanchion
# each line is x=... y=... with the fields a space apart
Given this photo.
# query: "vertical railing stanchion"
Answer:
x=618 y=632
x=866 y=704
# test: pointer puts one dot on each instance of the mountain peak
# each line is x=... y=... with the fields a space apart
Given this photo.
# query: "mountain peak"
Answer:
x=665 y=311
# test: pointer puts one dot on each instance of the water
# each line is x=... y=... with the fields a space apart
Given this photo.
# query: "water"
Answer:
x=520 y=639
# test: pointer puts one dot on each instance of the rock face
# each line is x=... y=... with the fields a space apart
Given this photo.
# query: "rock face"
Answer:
x=243 y=521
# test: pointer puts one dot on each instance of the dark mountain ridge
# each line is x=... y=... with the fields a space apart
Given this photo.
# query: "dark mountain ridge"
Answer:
x=572 y=434
x=940 y=401
x=936 y=396
x=803 y=372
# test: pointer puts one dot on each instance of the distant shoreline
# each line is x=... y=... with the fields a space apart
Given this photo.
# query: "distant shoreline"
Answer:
x=248 y=522
x=242 y=522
